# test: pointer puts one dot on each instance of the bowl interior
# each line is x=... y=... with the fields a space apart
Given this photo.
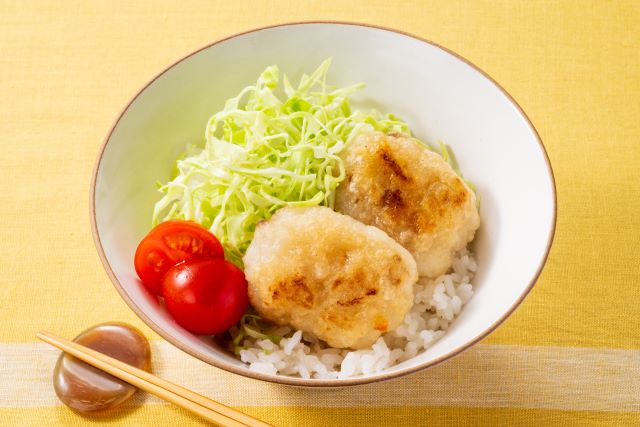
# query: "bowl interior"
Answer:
x=439 y=95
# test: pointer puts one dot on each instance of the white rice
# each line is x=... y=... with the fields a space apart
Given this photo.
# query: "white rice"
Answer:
x=436 y=304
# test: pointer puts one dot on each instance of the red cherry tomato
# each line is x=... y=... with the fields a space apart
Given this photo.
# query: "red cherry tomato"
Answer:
x=205 y=296
x=168 y=244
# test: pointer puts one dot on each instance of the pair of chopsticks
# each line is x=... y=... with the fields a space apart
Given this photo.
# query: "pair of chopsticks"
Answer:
x=180 y=396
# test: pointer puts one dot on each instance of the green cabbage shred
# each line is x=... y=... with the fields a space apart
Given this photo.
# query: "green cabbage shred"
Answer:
x=251 y=326
x=271 y=146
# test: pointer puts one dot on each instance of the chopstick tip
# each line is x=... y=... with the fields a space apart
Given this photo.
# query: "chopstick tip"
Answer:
x=43 y=335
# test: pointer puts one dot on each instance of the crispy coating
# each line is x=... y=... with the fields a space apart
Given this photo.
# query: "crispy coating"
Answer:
x=330 y=275
x=411 y=193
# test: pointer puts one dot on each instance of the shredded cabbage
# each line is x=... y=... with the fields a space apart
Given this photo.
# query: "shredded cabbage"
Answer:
x=251 y=326
x=268 y=148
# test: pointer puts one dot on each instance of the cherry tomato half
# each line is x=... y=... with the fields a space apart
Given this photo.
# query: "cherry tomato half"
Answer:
x=169 y=243
x=205 y=296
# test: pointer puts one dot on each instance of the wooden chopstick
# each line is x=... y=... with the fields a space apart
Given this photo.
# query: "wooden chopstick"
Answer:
x=180 y=396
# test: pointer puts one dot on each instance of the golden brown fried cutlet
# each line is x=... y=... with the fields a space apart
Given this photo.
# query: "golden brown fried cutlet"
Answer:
x=394 y=183
x=328 y=274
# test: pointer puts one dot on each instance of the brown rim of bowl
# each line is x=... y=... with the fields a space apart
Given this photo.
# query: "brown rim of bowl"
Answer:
x=295 y=381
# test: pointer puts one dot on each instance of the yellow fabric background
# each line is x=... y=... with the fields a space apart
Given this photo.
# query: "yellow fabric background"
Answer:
x=68 y=68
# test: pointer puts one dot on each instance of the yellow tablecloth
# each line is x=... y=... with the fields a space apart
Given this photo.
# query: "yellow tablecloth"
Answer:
x=571 y=352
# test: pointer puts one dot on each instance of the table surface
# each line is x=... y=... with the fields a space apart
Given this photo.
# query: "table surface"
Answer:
x=570 y=353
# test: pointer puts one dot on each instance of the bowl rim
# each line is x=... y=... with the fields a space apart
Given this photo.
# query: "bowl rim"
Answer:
x=295 y=381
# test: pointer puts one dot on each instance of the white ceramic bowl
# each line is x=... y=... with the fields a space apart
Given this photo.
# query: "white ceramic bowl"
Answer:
x=442 y=97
